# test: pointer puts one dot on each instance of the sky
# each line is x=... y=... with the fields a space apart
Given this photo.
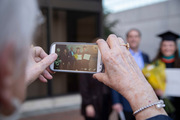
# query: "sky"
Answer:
x=122 y=5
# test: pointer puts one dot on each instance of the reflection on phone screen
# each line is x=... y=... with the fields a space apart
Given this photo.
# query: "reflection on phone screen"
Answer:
x=76 y=57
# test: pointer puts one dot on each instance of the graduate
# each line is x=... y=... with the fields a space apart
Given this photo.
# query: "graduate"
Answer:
x=168 y=51
x=168 y=54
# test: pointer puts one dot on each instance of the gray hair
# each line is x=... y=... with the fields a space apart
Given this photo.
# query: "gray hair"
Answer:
x=18 y=21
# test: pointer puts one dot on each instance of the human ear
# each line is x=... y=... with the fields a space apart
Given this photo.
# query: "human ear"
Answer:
x=6 y=75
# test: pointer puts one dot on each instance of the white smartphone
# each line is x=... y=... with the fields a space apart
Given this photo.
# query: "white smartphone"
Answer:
x=76 y=57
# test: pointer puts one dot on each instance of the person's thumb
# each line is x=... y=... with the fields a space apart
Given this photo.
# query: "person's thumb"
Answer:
x=47 y=61
x=100 y=76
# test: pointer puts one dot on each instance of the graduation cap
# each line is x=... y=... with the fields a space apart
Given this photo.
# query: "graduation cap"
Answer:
x=169 y=36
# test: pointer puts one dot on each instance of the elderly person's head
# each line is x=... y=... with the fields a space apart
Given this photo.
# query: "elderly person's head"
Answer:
x=18 y=20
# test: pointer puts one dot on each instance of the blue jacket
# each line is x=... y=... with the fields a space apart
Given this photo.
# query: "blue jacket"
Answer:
x=118 y=98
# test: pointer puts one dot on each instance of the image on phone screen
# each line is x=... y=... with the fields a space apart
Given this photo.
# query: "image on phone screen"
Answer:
x=76 y=57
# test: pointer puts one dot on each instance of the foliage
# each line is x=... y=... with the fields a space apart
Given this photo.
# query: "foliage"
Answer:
x=107 y=26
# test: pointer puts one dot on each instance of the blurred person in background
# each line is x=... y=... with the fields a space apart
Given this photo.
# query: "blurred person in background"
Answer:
x=168 y=55
x=168 y=51
x=96 y=97
x=19 y=66
x=133 y=37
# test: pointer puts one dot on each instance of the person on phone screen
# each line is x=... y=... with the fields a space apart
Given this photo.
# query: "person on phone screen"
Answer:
x=64 y=58
x=58 y=61
x=71 y=58
x=133 y=37
x=85 y=61
x=78 y=57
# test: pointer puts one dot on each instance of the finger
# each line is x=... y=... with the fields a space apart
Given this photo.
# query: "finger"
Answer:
x=101 y=77
x=123 y=50
x=112 y=41
x=103 y=47
x=47 y=61
x=37 y=59
x=50 y=71
x=121 y=42
x=98 y=76
x=43 y=54
x=39 y=52
x=42 y=79
x=126 y=55
x=47 y=75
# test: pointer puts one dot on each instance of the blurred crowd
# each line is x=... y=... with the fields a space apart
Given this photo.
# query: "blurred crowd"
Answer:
x=98 y=100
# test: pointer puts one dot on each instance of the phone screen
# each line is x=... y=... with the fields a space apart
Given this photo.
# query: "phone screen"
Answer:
x=76 y=57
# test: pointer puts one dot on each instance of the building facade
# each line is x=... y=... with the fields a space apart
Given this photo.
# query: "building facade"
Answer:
x=151 y=20
x=65 y=21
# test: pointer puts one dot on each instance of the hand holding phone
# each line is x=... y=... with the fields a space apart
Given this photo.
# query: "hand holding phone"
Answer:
x=76 y=57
